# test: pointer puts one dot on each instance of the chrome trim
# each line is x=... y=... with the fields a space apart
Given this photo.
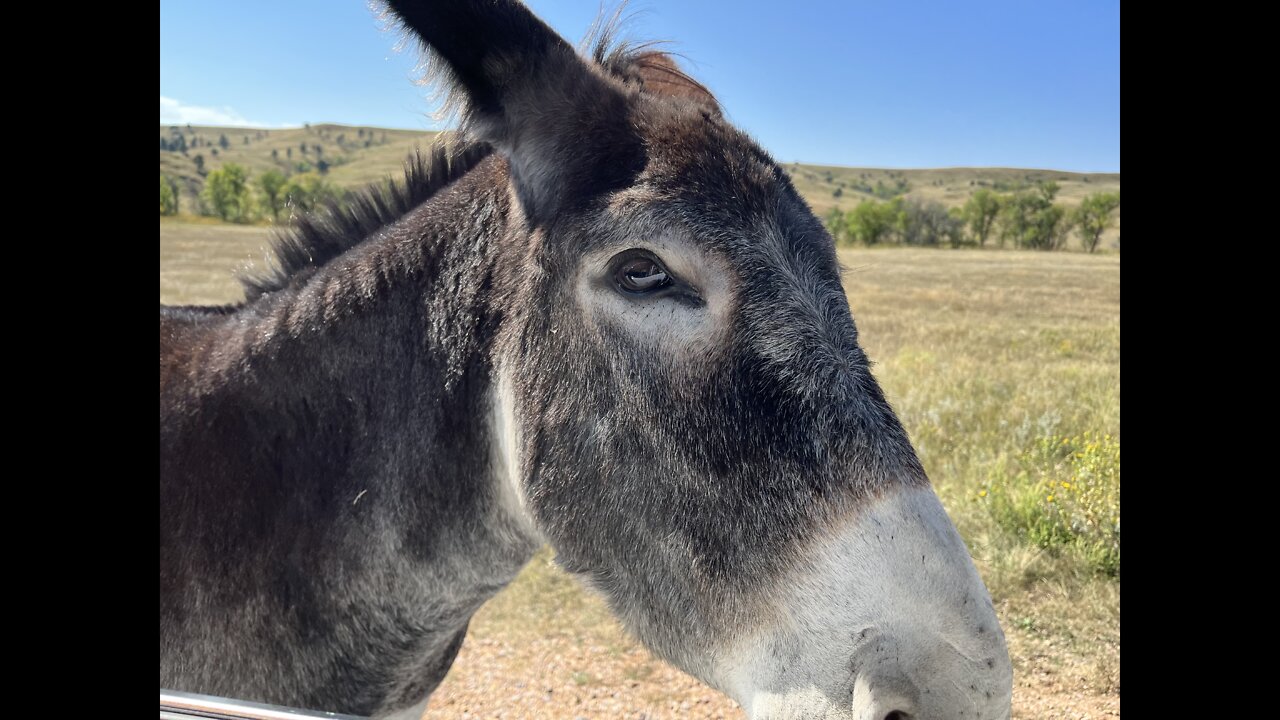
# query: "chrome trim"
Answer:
x=176 y=705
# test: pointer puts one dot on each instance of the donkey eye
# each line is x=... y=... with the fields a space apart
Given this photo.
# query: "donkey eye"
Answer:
x=637 y=273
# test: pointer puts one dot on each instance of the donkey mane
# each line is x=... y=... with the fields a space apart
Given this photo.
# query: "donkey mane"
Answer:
x=322 y=235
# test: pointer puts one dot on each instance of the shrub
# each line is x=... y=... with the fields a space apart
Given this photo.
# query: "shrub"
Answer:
x=1064 y=495
x=836 y=225
x=168 y=197
x=888 y=192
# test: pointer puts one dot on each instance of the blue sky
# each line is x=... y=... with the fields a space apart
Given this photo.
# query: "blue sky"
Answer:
x=877 y=83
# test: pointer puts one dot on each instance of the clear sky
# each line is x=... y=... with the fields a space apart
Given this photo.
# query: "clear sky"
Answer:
x=877 y=83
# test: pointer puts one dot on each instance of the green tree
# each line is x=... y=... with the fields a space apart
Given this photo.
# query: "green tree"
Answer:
x=895 y=213
x=306 y=192
x=1032 y=220
x=1048 y=190
x=1062 y=230
x=929 y=224
x=1051 y=228
x=1094 y=216
x=226 y=192
x=1013 y=218
x=980 y=213
x=271 y=184
x=836 y=225
x=873 y=222
x=199 y=161
x=223 y=142
x=168 y=197
x=954 y=229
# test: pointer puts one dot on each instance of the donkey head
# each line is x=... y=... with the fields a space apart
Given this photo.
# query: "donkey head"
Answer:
x=684 y=409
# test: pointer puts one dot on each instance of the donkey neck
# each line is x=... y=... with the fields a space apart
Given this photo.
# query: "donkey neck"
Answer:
x=352 y=461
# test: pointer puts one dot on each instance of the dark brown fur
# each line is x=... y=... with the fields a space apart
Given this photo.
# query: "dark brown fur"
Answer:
x=330 y=517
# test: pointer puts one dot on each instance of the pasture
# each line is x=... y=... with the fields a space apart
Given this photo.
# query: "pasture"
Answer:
x=1004 y=366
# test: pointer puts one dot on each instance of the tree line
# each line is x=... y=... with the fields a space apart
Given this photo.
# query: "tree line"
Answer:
x=1024 y=219
x=230 y=194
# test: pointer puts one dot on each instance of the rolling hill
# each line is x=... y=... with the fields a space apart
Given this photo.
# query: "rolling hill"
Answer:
x=356 y=156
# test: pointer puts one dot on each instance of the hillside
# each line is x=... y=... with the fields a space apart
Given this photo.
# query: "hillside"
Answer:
x=357 y=156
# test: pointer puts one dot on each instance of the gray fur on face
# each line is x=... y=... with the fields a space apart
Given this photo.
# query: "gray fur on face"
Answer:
x=705 y=469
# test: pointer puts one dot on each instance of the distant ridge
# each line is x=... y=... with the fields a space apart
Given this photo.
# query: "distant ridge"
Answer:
x=357 y=155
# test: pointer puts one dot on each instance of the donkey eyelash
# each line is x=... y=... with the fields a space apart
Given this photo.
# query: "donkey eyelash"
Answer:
x=630 y=270
x=638 y=272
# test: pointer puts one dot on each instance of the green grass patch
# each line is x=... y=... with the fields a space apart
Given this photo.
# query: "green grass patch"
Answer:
x=1063 y=494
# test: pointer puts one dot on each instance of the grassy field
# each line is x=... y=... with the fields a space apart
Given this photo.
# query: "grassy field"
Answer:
x=360 y=155
x=1005 y=369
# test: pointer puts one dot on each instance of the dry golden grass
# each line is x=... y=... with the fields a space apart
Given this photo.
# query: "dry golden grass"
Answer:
x=981 y=353
x=198 y=261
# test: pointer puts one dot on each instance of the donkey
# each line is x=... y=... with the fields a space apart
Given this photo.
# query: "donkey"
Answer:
x=600 y=318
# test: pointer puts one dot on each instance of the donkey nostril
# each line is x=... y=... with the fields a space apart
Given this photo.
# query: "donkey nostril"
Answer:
x=897 y=715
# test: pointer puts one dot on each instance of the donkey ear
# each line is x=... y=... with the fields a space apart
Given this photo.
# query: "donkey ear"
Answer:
x=658 y=73
x=562 y=125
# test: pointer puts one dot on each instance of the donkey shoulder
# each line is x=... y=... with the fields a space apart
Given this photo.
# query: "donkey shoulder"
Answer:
x=183 y=328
